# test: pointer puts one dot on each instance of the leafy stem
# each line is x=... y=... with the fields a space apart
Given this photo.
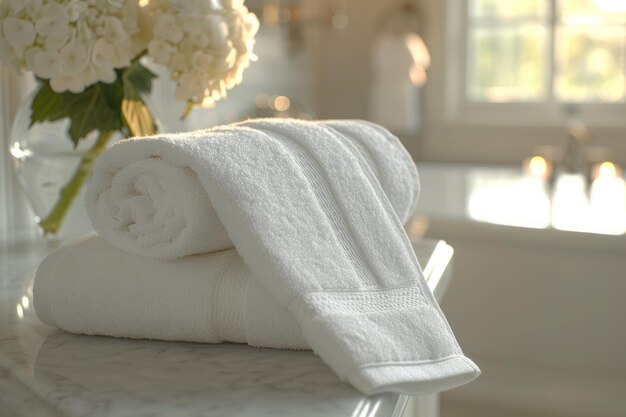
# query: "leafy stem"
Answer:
x=68 y=193
x=103 y=107
x=188 y=107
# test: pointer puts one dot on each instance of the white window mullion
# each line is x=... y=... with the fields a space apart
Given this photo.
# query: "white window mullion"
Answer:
x=456 y=57
x=552 y=23
x=468 y=58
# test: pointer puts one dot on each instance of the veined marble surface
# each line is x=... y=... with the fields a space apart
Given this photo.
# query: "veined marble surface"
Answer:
x=47 y=372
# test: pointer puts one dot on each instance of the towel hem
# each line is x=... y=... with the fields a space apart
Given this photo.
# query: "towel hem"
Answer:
x=414 y=378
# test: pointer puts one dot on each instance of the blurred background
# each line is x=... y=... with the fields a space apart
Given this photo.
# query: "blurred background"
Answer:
x=515 y=112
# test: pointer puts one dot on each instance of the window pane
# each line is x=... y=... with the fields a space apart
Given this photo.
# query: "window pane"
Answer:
x=590 y=64
x=505 y=64
x=507 y=9
x=585 y=12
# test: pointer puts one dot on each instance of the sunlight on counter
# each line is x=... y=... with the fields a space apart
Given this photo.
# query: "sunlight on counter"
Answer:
x=508 y=200
x=569 y=204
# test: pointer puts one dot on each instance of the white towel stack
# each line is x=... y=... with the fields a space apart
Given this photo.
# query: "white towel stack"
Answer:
x=314 y=211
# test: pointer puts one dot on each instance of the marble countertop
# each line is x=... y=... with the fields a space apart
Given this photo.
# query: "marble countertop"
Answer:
x=47 y=372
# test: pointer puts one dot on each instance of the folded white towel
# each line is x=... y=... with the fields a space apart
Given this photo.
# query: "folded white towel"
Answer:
x=307 y=214
x=90 y=287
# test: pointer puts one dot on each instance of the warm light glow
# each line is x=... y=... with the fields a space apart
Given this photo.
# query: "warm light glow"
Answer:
x=282 y=103
x=607 y=170
x=525 y=201
x=608 y=199
x=421 y=59
x=208 y=103
x=143 y=3
x=20 y=311
x=519 y=201
x=570 y=206
x=18 y=152
x=418 y=76
x=611 y=5
x=538 y=167
x=25 y=302
x=418 y=49
x=271 y=13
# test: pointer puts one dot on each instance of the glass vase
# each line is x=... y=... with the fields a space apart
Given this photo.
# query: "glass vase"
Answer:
x=53 y=172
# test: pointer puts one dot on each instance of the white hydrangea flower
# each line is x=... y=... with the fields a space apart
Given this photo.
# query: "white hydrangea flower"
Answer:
x=75 y=9
x=113 y=30
x=53 y=43
x=66 y=82
x=54 y=21
x=74 y=55
x=73 y=43
x=191 y=84
x=205 y=44
x=19 y=33
x=47 y=64
x=168 y=28
x=161 y=51
x=102 y=53
x=29 y=55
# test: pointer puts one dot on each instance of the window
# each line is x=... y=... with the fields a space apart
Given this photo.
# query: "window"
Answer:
x=540 y=50
x=537 y=60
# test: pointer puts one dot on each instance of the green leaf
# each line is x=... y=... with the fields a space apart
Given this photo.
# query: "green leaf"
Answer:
x=89 y=111
x=103 y=107
x=113 y=93
x=47 y=105
x=138 y=118
x=139 y=77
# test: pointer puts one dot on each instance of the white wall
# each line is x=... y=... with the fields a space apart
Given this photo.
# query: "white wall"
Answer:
x=341 y=61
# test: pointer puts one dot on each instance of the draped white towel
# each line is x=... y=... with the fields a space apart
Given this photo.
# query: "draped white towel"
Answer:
x=306 y=212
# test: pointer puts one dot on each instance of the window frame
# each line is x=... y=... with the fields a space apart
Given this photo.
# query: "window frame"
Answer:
x=549 y=113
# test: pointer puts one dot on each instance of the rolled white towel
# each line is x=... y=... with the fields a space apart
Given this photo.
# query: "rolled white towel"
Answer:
x=141 y=203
